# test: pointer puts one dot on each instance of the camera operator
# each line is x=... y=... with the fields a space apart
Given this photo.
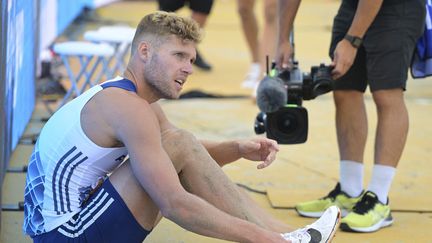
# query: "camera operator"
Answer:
x=372 y=44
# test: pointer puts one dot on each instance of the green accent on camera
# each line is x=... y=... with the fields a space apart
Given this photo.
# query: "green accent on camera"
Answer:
x=291 y=105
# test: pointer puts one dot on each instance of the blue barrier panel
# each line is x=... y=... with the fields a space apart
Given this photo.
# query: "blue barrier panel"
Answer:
x=20 y=66
x=4 y=151
x=68 y=10
x=4 y=123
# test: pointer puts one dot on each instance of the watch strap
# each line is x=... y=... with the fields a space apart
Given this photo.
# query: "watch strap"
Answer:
x=354 y=40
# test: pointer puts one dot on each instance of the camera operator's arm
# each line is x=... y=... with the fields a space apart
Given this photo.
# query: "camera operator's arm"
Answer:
x=345 y=51
x=287 y=12
x=255 y=149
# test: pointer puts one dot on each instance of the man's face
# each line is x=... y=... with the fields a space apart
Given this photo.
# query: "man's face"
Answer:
x=169 y=66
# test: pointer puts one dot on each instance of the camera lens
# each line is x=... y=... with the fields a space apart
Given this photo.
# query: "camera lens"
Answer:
x=287 y=123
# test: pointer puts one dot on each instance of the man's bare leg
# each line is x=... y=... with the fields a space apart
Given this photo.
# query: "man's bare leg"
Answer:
x=268 y=37
x=138 y=201
x=266 y=217
x=392 y=127
x=202 y=176
x=199 y=174
x=351 y=124
x=249 y=27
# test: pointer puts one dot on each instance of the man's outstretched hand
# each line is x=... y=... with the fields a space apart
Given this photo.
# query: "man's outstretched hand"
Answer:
x=259 y=149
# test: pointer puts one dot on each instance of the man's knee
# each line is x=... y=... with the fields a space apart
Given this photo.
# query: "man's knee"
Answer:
x=342 y=97
x=176 y=136
x=177 y=143
x=388 y=98
x=245 y=9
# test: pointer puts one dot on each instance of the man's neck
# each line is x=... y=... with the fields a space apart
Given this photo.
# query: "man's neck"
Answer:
x=142 y=89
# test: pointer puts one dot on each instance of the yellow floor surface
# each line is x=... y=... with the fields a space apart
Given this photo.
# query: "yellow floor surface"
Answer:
x=300 y=172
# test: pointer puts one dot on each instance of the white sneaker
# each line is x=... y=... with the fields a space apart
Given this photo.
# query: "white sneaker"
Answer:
x=253 y=76
x=321 y=231
x=255 y=90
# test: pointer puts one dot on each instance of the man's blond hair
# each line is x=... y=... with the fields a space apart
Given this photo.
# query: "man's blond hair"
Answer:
x=157 y=26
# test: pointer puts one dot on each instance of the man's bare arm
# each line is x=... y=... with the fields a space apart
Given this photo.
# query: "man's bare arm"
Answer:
x=365 y=15
x=258 y=149
x=138 y=128
x=286 y=15
x=345 y=53
x=225 y=152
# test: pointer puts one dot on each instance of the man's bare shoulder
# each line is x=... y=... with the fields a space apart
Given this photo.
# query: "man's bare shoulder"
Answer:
x=113 y=111
x=119 y=98
x=123 y=105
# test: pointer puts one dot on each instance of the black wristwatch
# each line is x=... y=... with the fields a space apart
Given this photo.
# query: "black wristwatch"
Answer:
x=354 y=40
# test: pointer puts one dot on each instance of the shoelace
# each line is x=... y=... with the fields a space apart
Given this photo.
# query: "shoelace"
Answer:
x=367 y=202
x=298 y=236
x=336 y=191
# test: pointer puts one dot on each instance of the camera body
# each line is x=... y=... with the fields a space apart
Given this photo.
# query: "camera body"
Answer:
x=289 y=123
x=306 y=86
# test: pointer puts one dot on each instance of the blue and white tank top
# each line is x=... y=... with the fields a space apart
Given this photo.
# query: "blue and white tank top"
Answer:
x=66 y=165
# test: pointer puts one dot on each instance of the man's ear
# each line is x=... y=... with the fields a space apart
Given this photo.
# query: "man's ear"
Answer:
x=143 y=50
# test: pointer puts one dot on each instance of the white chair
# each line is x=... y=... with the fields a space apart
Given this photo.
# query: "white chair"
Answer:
x=120 y=37
x=85 y=52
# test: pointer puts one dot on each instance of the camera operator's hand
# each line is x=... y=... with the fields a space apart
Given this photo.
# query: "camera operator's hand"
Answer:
x=283 y=56
x=344 y=56
x=259 y=149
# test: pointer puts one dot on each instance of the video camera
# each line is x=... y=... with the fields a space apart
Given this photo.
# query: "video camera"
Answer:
x=280 y=96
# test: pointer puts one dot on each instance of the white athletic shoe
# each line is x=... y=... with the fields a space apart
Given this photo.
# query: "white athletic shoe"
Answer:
x=253 y=76
x=321 y=231
x=255 y=90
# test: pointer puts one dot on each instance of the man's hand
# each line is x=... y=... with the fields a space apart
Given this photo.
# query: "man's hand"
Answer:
x=344 y=55
x=283 y=56
x=259 y=149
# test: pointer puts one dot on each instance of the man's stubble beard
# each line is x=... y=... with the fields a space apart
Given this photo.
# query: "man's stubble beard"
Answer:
x=156 y=78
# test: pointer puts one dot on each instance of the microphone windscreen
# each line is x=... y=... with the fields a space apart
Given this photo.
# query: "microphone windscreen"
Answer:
x=271 y=95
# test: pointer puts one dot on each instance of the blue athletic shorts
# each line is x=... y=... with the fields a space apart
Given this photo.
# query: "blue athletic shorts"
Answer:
x=104 y=218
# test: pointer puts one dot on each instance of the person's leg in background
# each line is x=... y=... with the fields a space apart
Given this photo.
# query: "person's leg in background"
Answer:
x=391 y=135
x=387 y=67
x=267 y=43
x=259 y=48
x=372 y=212
x=351 y=130
x=200 y=11
x=249 y=22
